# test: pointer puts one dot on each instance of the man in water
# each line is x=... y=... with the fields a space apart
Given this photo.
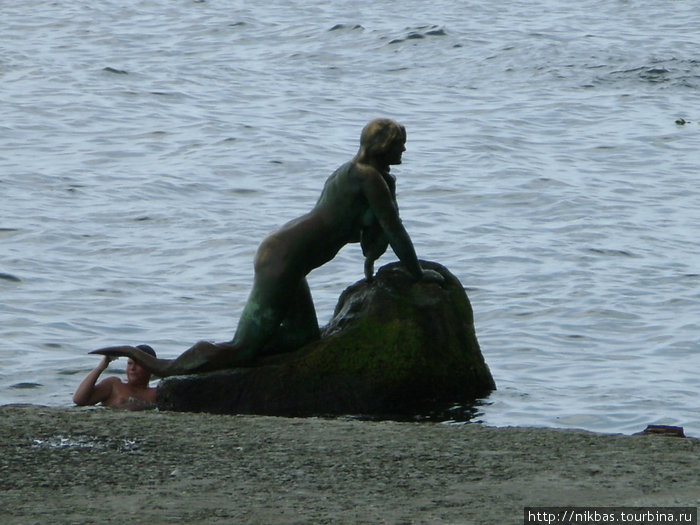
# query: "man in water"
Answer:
x=135 y=394
x=357 y=204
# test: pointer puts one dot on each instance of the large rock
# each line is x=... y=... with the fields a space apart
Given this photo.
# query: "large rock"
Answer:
x=393 y=347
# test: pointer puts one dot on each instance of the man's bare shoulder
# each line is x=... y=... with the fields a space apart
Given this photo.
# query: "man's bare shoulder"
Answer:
x=106 y=390
x=112 y=381
x=114 y=385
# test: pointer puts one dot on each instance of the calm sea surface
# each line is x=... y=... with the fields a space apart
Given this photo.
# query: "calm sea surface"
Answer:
x=147 y=147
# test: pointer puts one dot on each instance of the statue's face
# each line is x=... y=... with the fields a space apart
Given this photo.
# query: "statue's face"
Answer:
x=396 y=151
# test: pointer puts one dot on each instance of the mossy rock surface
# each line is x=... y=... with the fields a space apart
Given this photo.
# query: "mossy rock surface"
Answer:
x=393 y=345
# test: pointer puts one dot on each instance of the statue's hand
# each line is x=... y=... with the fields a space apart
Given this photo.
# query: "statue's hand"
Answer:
x=433 y=276
x=430 y=276
x=369 y=269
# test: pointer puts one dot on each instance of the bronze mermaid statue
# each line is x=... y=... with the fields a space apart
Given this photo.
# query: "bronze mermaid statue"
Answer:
x=357 y=204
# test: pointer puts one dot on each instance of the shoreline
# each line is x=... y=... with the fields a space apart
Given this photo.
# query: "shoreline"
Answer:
x=77 y=465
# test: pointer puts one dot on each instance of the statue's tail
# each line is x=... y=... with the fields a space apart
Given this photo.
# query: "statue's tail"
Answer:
x=158 y=367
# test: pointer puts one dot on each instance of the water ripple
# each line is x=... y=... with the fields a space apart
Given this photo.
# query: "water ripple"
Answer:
x=147 y=148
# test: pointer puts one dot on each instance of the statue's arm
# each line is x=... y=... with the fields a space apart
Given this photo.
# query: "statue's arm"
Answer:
x=374 y=243
x=373 y=240
x=382 y=204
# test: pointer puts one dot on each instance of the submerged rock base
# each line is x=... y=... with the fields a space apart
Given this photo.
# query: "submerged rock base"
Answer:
x=392 y=346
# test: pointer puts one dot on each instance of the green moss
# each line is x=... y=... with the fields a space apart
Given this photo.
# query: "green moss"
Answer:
x=370 y=349
x=390 y=353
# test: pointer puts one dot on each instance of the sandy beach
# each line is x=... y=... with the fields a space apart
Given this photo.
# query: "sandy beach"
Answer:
x=101 y=465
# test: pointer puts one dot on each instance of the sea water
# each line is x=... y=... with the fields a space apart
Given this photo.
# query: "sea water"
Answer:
x=552 y=165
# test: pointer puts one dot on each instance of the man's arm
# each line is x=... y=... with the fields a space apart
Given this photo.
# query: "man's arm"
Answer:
x=88 y=393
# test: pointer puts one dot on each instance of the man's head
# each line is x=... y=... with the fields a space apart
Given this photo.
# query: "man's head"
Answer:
x=147 y=349
x=384 y=138
x=137 y=374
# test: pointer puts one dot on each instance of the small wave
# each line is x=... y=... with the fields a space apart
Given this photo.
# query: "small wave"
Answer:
x=338 y=27
x=611 y=252
x=674 y=72
x=115 y=71
x=420 y=33
x=26 y=386
x=10 y=277
x=243 y=191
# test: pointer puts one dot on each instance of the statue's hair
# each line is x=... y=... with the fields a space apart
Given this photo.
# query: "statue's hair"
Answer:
x=380 y=134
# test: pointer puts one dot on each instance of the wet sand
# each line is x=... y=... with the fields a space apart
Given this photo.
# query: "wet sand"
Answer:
x=100 y=465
